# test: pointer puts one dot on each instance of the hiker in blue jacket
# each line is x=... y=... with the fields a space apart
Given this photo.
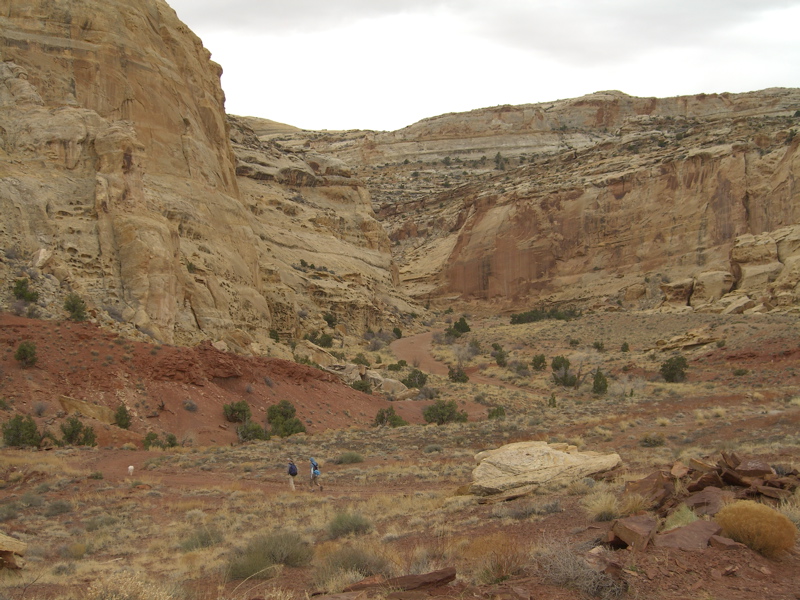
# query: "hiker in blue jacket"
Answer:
x=315 y=475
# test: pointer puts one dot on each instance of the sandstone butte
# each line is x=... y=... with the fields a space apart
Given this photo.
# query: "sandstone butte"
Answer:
x=122 y=179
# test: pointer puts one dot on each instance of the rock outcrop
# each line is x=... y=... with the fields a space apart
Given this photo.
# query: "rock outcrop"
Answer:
x=119 y=181
x=526 y=465
x=604 y=199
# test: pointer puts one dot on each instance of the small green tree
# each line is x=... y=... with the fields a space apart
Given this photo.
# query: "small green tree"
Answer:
x=539 y=362
x=26 y=354
x=75 y=433
x=600 y=383
x=22 y=291
x=330 y=319
x=362 y=385
x=441 y=412
x=561 y=373
x=397 y=333
x=674 y=369
x=461 y=326
x=21 y=431
x=122 y=418
x=282 y=420
x=457 y=374
x=360 y=359
x=237 y=412
x=251 y=430
x=75 y=306
x=497 y=412
x=387 y=416
x=415 y=379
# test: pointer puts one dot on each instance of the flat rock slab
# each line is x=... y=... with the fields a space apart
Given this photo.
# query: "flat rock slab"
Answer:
x=635 y=531
x=709 y=501
x=694 y=536
x=535 y=463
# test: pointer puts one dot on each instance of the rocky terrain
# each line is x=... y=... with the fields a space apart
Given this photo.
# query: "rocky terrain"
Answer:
x=217 y=254
x=606 y=198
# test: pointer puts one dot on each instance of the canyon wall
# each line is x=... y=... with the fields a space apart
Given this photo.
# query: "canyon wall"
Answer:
x=119 y=181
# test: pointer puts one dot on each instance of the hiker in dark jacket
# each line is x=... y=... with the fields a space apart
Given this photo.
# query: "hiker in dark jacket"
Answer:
x=292 y=471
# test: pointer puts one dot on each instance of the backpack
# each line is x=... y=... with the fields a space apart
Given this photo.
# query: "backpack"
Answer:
x=292 y=469
x=316 y=473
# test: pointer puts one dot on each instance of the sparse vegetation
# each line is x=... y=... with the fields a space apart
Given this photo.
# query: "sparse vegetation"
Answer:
x=75 y=433
x=442 y=412
x=26 y=354
x=674 y=369
x=21 y=431
x=345 y=523
x=388 y=416
x=237 y=412
x=75 y=306
x=282 y=419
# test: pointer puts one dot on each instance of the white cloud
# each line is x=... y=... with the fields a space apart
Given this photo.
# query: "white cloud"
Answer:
x=385 y=64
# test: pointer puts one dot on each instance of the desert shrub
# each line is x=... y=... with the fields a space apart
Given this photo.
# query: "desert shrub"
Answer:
x=324 y=340
x=457 y=374
x=600 y=382
x=537 y=314
x=562 y=567
x=397 y=333
x=250 y=430
x=501 y=563
x=758 y=526
x=21 y=431
x=387 y=416
x=634 y=503
x=22 y=291
x=39 y=408
x=203 y=536
x=625 y=347
x=237 y=412
x=75 y=306
x=652 y=440
x=57 y=507
x=561 y=373
x=362 y=385
x=497 y=412
x=344 y=524
x=500 y=355
x=740 y=372
x=190 y=405
x=151 y=439
x=348 y=458
x=394 y=367
x=122 y=418
x=262 y=555
x=601 y=506
x=415 y=379
x=539 y=362
x=599 y=346
x=330 y=319
x=674 y=369
x=76 y=433
x=128 y=585
x=441 y=412
x=26 y=354
x=427 y=393
x=8 y=512
x=282 y=419
x=360 y=359
x=349 y=564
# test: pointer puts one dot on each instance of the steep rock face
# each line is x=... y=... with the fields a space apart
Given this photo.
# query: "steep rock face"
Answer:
x=118 y=180
x=605 y=198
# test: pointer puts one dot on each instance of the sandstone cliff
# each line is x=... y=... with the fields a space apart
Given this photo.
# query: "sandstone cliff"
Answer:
x=119 y=181
x=605 y=199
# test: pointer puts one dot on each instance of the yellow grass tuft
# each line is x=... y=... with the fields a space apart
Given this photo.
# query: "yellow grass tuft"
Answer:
x=758 y=526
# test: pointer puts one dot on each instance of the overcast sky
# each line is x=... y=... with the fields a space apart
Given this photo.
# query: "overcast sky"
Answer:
x=385 y=64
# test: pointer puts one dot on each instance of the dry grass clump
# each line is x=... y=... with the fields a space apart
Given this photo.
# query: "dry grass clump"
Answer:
x=683 y=516
x=344 y=523
x=790 y=508
x=498 y=558
x=130 y=586
x=633 y=503
x=562 y=567
x=344 y=565
x=601 y=506
x=264 y=556
x=758 y=526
